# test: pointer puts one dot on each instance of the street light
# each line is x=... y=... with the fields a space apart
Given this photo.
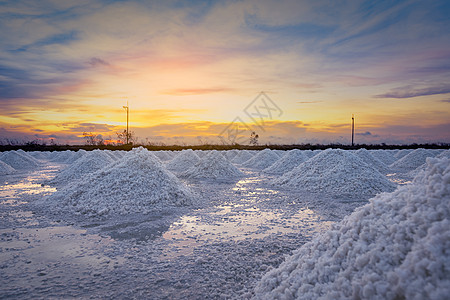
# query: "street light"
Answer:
x=127 y=109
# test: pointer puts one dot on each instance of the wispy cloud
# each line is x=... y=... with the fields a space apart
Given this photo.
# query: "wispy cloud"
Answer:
x=196 y=91
x=309 y=102
x=411 y=92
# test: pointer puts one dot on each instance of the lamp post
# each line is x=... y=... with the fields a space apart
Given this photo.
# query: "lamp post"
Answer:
x=353 y=129
x=127 y=109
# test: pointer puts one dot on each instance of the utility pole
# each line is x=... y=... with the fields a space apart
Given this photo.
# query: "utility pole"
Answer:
x=353 y=129
x=127 y=109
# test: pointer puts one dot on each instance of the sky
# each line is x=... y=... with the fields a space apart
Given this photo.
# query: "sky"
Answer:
x=195 y=72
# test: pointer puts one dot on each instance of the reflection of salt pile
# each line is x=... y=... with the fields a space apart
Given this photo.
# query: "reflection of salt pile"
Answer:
x=263 y=159
x=385 y=156
x=339 y=173
x=183 y=161
x=6 y=169
x=412 y=160
x=289 y=161
x=395 y=247
x=213 y=166
x=369 y=159
x=89 y=163
x=138 y=183
x=19 y=160
x=241 y=157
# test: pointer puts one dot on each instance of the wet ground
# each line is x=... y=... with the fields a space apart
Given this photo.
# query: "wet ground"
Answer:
x=218 y=249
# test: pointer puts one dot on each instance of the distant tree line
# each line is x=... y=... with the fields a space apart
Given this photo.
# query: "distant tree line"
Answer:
x=95 y=143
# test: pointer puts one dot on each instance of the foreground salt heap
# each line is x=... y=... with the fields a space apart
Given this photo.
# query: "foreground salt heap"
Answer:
x=395 y=247
x=339 y=173
x=138 y=183
x=213 y=166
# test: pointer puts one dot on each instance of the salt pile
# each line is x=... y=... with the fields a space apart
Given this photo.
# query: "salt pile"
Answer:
x=289 y=161
x=242 y=157
x=337 y=172
x=19 y=160
x=213 y=166
x=412 y=160
x=111 y=154
x=263 y=159
x=89 y=163
x=138 y=183
x=63 y=156
x=385 y=156
x=163 y=155
x=230 y=154
x=280 y=153
x=40 y=155
x=80 y=153
x=6 y=169
x=369 y=159
x=395 y=247
x=443 y=154
x=183 y=161
x=402 y=153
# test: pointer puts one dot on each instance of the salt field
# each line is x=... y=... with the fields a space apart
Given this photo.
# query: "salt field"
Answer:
x=233 y=224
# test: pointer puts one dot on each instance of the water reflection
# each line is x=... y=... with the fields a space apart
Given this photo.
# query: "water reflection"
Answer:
x=238 y=222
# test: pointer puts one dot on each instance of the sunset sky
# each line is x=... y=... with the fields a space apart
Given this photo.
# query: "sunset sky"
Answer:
x=190 y=68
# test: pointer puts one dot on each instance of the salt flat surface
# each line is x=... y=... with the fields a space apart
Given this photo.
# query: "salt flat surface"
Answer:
x=220 y=245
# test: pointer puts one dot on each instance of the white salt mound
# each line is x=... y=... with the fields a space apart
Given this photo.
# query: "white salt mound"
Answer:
x=443 y=154
x=241 y=157
x=163 y=155
x=138 y=183
x=63 y=156
x=402 y=153
x=412 y=160
x=289 y=161
x=40 y=155
x=230 y=154
x=76 y=155
x=89 y=163
x=183 y=161
x=263 y=159
x=213 y=166
x=369 y=159
x=337 y=172
x=6 y=169
x=385 y=156
x=395 y=247
x=19 y=160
